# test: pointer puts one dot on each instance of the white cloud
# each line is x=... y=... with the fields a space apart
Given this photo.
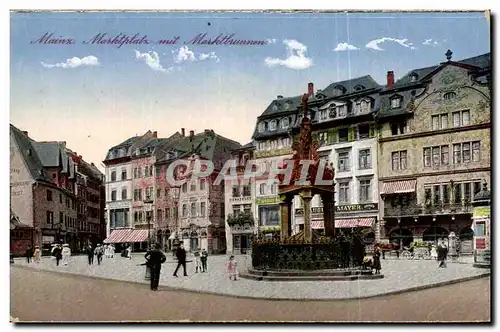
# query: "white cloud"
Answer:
x=430 y=42
x=74 y=62
x=152 y=60
x=185 y=54
x=344 y=47
x=296 y=59
x=271 y=41
x=373 y=44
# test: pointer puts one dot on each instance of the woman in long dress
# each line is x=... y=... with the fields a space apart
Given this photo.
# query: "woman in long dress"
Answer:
x=36 y=255
x=129 y=252
x=434 y=254
x=66 y=254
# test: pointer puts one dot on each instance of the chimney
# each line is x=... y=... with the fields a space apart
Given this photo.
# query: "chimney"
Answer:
x=390 y=78
x=183 y=132
x=310 y=89
x=279 y=97
x=207 y=131
x=25 y=133
x=191 y=133
x=155 y=134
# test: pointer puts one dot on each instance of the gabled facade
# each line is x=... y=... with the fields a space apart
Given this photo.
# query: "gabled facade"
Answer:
x=44 y=195
x=240 y=205
x=434 y=150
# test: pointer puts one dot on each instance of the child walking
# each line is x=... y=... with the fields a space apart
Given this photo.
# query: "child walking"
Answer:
x=232 y=268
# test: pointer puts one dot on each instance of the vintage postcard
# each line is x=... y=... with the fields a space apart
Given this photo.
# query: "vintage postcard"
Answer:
x=231 y=166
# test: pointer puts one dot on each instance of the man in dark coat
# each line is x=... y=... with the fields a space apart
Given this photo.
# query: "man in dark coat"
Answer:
x=29 y=254
x=181 y=259
x=90 y=254
x=442 y=253
x=155 y=258
x=57 y=253
x=204 y=258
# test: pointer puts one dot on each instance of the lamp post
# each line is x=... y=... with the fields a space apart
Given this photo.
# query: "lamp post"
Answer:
x=148 y=205
x=176 y=191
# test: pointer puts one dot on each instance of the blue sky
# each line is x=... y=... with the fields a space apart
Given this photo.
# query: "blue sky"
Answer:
x=106 y=94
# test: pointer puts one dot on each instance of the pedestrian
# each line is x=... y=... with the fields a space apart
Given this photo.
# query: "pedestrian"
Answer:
x=99 y=252
x=36 y=254
x=232 y=268
x=111 y=250
x=181 y=259
x=434 y=252
x=66 y=254
x=57 y=252
x=197 y=259
x=155 y=258
x=90 y=254
x=129 y=252
x=442 y=253
x=204 y=258
x=376 y=260
x=29 y=254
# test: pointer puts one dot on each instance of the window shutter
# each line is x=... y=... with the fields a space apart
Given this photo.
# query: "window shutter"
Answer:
x=332 y=136
x=352 y=134
x=372 y=130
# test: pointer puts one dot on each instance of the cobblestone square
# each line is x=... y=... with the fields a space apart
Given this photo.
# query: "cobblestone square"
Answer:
x=399 y=275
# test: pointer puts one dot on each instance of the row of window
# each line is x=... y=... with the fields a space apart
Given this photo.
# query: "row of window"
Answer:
x=365 y=191
x=193 y=185
x=459 y=119
x=242 y=191
x=265 y=189
x=274 y=124
x=193 y=211
x=344 y=160
x=274 y=144
x=457 y=193
x=247 y=208
x=148 y=192
x=68 y=221
x=68 y=201
x=439 y=155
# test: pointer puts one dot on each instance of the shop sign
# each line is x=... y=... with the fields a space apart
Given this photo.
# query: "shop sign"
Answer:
x=241 y=199
x=481 y=211
x=341 y=208
x=269 y=228
x=268 y=200
x=480 y=243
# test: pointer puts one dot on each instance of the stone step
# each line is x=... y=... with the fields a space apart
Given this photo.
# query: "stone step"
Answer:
x=311 y=277
x=292 y=273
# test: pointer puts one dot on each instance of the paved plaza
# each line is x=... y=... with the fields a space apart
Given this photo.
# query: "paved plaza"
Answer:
x=399 y=276
x=42 y=296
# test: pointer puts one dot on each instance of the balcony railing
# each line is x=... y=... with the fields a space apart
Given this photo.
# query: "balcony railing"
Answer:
x=436 y=209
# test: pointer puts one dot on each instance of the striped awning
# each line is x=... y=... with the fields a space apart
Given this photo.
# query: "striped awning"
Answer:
x=317 y=224
x=118 y=236
x=399 y=187
x=137 y=235
x=352 y=223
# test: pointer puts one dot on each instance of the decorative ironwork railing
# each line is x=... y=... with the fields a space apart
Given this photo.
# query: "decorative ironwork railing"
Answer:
x=416 y=210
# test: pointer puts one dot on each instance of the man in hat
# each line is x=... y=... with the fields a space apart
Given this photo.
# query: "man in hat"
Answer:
x=99 y=252
x=155 y=258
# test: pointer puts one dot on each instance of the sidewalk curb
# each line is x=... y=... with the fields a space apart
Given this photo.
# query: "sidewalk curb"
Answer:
x=172 y=288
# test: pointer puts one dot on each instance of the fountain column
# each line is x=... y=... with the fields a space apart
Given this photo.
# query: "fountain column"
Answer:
x=306 y=197
x=285 y=218
x=328 y=215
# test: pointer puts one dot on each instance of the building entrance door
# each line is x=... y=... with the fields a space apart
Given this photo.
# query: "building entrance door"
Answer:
x=244 y=244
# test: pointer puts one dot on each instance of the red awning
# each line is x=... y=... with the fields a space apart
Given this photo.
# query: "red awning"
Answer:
x=137 y=235
x=399 y=187
x=117 y=236
x=317 y=224
x=352 y=223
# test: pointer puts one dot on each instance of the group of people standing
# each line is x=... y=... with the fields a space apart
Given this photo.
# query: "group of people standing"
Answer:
x=99 y=251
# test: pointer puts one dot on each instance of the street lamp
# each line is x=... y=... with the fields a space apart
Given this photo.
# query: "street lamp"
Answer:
x=148 y=205
x=176 y=191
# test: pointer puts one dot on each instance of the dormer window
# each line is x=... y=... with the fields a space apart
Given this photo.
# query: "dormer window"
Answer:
x=413 y=77
x=272 y=125
x=285 y=122
x=449 y=96
x=323 y=115
x=396 y=102
x=339 y=90
x=359 y=88
x=287 y=105
x=275 y=107
x=262 y=127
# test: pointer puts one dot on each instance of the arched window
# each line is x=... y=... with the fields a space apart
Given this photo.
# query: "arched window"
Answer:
x=272 y=125
x=449 y=96
x=413 y=77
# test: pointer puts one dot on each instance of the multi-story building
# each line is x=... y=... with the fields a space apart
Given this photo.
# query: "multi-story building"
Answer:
x=44 y=194
x=119 y=190
x=343 y=124
x=199 y=221
x=240 y=204
x=434 y=150
x=273 y=138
